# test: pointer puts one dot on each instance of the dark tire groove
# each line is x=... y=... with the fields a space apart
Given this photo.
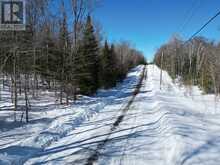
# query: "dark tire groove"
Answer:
x=95 y=156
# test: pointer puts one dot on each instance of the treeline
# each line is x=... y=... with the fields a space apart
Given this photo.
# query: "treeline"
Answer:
x=69 y=59
x=196 y=62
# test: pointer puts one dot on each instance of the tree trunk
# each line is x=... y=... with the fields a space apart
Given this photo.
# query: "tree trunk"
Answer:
x=15 y=85
x=26 y=99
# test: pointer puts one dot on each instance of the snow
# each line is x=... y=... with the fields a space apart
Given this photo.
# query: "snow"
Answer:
x=50 y=121
x=164 y=127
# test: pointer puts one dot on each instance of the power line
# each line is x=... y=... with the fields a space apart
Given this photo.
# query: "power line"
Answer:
x=190 y=14
x=204 y=26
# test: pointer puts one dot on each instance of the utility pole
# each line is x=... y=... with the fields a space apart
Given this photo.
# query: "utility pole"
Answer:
x=161 y=71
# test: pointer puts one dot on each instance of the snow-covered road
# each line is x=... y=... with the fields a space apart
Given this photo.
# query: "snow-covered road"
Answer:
x=161 y=127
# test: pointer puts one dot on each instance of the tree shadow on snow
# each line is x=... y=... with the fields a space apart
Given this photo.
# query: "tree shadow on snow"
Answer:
x=20 y=153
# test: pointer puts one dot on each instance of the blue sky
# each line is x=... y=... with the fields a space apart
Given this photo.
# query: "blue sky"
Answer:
x=150 y=23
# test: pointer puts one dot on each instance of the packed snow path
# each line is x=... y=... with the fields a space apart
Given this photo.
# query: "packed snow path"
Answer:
x=161 y=127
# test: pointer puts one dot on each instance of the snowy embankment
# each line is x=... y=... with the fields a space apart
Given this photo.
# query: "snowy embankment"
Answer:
x=50 y=121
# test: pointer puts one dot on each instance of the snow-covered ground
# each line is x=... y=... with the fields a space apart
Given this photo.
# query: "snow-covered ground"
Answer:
x=161 y=127
x=50 y=121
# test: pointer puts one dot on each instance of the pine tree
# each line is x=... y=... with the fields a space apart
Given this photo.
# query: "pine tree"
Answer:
x=104 y=65
x=88 y=61
x=113 y=65
x=108 y=70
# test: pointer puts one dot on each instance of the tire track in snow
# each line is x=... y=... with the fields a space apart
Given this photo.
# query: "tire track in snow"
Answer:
x=173 y=134
x=95 y=156
x=134 y=129
x=128 y=140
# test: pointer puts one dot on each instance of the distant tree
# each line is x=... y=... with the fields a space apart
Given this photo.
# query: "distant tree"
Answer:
x=108 y=74
x=195 y=62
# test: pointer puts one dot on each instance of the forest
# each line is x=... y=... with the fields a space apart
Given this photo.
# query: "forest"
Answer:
x=194 y=62
x=64 y=52
x=109 y=82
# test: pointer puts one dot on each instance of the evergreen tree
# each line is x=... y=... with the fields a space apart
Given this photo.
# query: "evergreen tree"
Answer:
x=113 y=65
x=108 y=76
x=104 y=65
x=88 y=61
